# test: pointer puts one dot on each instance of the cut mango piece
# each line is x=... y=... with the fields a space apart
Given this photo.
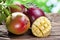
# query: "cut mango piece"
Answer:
x=41 y=27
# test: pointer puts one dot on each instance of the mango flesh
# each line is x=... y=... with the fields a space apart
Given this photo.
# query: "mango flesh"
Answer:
x=41 y=27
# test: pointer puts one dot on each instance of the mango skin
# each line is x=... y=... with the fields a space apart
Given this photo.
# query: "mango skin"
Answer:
x=18 y=25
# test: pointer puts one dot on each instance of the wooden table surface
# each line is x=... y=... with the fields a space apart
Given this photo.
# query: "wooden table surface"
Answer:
x=55 y=31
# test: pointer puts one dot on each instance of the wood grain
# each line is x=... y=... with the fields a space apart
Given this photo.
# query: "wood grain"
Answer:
x=55 y=31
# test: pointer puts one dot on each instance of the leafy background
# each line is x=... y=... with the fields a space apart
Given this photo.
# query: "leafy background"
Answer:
x=46 y=5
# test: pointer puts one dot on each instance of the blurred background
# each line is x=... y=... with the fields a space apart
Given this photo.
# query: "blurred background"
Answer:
x=52 y=6
x=48 y=6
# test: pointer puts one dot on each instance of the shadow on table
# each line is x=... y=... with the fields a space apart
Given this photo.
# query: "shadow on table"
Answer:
x=22 y=36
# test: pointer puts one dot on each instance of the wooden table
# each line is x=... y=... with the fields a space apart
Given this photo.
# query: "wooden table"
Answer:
x=55 y=31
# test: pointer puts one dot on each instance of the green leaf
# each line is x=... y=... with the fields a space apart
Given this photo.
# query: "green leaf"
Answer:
x=25 y=1
x=45 y=9
x=6 y=12
x=2 y=17
x=58 y=0
x=9 y=2
x=42 y=4
x=0 y=1
x=59 y=11
x=0 y=8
